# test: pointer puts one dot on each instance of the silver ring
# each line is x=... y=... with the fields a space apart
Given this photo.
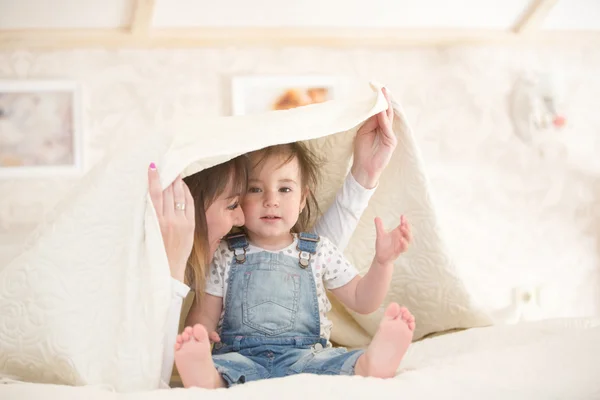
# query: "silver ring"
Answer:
x=180 y=206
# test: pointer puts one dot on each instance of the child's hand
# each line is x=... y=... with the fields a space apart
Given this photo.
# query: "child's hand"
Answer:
x=390 y=245
x=214 y=337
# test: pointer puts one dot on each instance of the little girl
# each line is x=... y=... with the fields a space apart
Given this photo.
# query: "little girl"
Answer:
x=266 y=304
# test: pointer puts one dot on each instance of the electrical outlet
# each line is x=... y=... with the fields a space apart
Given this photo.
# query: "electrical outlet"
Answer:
x=526 y=300
x=526 y=295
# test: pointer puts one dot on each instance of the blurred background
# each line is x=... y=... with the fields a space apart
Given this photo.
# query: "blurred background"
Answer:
x=501 y=96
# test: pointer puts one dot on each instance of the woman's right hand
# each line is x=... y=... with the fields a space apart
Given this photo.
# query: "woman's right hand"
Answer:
x=174 y=208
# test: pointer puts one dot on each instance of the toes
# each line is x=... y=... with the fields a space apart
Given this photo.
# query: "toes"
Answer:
x=177 y=346
x=411 y=325
x=185 y=336
x=200 y=333
x=179 y=339
x=188 y=330
x=392 y=311
x=406 y=315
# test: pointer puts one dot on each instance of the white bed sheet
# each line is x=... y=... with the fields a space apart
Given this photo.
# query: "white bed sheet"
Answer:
x=552 y=359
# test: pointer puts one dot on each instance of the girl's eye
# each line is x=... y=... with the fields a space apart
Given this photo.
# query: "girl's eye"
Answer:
x=254 y=190
x=233 y=206
x=285 y=189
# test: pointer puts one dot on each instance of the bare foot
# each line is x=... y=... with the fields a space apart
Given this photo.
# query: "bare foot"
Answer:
x=194 y=360
x=383 y=356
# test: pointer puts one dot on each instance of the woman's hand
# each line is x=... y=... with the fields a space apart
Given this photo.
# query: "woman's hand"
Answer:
x=373 y=146
x=175 y=211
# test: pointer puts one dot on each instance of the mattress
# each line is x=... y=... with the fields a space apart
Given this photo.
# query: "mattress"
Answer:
x=551 y=359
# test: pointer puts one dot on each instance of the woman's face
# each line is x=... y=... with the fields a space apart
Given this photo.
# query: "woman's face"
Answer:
x=223 y=214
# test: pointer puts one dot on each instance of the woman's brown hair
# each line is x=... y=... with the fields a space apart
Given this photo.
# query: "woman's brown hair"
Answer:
x=206 y=186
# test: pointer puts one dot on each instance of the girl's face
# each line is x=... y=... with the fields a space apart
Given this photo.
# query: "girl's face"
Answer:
x=223 y=214
x=274 y=200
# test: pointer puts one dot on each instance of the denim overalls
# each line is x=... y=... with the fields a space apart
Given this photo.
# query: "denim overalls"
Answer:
x=271 y=325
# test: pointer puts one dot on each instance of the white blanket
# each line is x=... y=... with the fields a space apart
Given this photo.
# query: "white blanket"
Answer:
x=543 y=360
x=86 y=303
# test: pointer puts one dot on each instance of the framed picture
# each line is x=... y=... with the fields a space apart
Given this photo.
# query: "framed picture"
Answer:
x=40 y=128
x=257 y=94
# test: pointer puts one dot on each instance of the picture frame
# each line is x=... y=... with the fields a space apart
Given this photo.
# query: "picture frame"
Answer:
x=41 y=130
x=254 y=94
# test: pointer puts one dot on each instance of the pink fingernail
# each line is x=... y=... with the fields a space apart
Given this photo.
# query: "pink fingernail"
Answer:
x=152 y=166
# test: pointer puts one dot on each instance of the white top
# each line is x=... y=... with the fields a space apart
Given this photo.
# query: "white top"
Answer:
x=330 y=270
x=337 y=224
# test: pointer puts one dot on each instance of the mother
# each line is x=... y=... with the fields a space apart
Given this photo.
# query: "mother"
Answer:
x=191 y=238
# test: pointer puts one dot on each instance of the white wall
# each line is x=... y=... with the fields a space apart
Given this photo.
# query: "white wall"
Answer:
x=512 y=218
x=421 y=14
x=490 y=14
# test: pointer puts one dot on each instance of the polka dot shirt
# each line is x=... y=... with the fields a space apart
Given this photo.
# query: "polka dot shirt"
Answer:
x=330 y=271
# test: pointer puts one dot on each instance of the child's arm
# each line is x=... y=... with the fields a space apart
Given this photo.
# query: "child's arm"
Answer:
x=208 y=314
x=208 y=310
x=364 y=295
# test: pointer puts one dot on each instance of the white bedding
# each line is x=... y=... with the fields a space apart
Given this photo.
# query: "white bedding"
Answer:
x=553 y=359
x=86 y=303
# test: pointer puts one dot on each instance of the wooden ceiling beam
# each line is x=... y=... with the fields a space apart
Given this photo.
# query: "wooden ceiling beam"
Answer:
x=143 y=13
x=209 y=37
x=65 y=39
x=534 y=16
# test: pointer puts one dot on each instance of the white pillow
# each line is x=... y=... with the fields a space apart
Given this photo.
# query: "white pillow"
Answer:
x=425 y=280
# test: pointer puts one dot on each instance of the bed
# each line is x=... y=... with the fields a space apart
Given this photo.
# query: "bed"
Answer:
x=113 y=245
x=551 y=359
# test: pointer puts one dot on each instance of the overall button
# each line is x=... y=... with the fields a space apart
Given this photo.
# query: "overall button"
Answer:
x=318 y=346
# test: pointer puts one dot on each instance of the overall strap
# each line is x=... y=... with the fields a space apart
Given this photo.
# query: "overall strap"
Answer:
x=307 y=245
x=238 y=243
